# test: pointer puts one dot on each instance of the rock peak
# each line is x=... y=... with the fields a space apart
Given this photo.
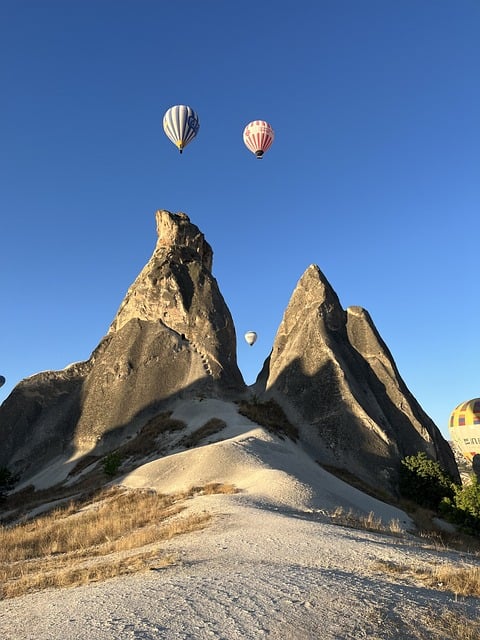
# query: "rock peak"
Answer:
x=330 y=370
x=176 y=230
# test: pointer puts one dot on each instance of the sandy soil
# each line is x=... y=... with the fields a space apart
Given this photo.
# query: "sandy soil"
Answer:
x=271 y=565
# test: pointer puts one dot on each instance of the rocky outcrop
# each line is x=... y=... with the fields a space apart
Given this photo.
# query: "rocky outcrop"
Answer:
x=335 y=377
x=172 y=335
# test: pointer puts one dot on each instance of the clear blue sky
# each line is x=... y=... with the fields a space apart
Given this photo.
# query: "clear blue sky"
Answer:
x=373 y=175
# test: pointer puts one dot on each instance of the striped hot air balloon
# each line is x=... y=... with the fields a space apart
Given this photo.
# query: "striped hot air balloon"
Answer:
x=181 y=124
x=258 y=137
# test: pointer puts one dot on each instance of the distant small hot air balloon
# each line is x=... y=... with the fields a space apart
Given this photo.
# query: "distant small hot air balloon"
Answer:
x=181 y=124
x=464 y=428
x=251 y=337
x=258 y=137
x=2 y=381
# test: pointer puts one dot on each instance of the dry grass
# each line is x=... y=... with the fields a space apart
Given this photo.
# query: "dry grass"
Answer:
x=460 y=580
x=455 y=626
x=42 y=575
x=271 y=416
x=444 y=540
x=214 y=425
x=117 y=532
x=369 y=523
x=424 y=519
x=430 y=532
x=210 y=489
x=147 y=439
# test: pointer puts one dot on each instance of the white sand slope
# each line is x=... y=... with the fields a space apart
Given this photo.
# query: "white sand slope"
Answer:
x=253 y=573
x=271 y=471
x=268 y=566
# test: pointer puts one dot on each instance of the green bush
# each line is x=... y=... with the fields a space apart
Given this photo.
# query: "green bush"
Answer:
x=111 y=463
x=7 y=480
x=424 y=481
x=464 y=508
x=467 y=498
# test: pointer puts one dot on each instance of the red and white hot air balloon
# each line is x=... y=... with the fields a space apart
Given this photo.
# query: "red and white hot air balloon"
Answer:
x=258 y=137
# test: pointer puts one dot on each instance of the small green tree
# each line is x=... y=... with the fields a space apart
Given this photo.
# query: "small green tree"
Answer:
x=7 y=480
x=424 y=481
x=467 y=498
x=111 y=463
x=464 y=508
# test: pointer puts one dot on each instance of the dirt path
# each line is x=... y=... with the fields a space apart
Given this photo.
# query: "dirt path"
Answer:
x=256 y=572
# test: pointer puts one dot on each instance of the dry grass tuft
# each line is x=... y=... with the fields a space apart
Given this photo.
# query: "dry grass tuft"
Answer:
x=147 y=439
x=214 y=425
x=271 y=416
x=460 y=580
x=369 y=523
x=42 y=576
x=455 y=626
x=433 y=535
x=212 y=488
x=116 y=532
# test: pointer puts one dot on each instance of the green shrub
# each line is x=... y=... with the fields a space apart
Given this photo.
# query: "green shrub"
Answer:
x=467 y=498
x=111 y=463
x=464 y=508
x=424 y=481
x=7 y=480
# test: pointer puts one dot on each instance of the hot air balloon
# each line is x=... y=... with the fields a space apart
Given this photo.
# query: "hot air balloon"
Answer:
x=181 y=124
x=464 y=428
x=2 y=381
x=251 y=337
x=258 y=137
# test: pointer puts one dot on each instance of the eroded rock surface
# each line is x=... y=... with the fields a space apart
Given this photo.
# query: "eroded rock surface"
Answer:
x=173 y=334
x=332 y=372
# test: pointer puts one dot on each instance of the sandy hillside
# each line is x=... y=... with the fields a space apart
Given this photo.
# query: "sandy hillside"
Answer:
x=270 y=565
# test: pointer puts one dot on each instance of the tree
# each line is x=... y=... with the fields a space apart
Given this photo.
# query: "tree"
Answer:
x=424 y=481
x=464 y=508
x=7 y=480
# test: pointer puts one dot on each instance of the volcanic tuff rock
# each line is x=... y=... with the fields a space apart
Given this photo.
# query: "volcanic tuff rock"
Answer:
x=173 y=337
x=173 y=334
x=335 y=377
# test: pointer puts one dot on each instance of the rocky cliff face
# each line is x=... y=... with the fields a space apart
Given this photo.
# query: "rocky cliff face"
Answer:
x=173 y=337
x=173 y=334
x=335 y=377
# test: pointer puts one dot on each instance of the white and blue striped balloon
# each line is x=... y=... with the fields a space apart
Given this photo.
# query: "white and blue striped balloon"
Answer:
x=181 y=124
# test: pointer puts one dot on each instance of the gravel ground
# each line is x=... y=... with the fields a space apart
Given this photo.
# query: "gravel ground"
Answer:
x=270 y=565
x=256 y=572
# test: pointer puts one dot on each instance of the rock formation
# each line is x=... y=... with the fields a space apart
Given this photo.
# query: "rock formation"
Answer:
x=336 y=379
x=173 y=334
x=173 y=337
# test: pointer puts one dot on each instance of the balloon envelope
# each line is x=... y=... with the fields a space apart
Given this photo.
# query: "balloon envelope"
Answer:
x=251 y=337
x=258 y=137
x=2 y=381
x=464 y=427
x=181 y=124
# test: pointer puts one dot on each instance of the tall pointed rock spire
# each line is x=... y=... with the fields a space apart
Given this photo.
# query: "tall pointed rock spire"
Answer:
x=335 y=376
x=172 y=336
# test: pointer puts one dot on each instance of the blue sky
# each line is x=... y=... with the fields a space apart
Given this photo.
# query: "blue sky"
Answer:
x=373 y=175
